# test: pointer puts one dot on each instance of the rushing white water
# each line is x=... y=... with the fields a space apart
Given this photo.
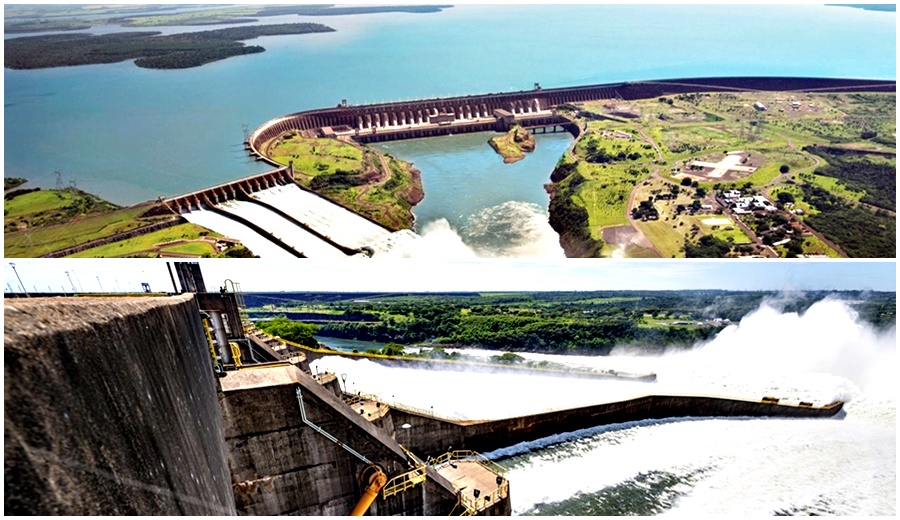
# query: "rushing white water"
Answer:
x=845 y=465
x=509 y=230
x=323 y=216
x=257 y=243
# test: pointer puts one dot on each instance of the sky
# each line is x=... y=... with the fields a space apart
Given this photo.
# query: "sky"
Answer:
x=258 y=275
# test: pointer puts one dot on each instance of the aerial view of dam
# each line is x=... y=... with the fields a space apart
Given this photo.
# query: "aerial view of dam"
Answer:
x=616 y=131
x=235 y=387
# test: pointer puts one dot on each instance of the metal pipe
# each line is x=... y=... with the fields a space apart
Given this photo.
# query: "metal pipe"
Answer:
x=221 y=337
x=324 y=433
x=377 y=479
x=172 y=276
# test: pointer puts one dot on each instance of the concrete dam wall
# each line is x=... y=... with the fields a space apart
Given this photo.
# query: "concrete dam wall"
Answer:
x=478 y=113
x=434 y=435
x=281 y=465
x=110 y=408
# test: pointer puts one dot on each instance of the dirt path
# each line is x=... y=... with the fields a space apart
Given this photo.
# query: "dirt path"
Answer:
x=630 y=205
x=379 y=181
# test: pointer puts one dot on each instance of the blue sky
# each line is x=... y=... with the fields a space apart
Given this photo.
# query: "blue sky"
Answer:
x=481 y=275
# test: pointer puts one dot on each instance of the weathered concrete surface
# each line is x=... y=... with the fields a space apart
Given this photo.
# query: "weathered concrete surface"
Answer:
x=434 y=436
x=110 y=408
x=280 y=465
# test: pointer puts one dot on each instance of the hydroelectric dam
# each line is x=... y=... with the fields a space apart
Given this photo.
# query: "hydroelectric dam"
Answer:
x=175 y=404
x=277 y=217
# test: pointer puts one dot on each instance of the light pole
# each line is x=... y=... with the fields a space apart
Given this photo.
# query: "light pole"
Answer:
x=19 y=278
x=74 y=290
x=406 y=427
x=100 y=284
x=77 y=279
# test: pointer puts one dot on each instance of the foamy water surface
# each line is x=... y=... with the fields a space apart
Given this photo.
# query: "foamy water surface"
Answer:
x=845 y=465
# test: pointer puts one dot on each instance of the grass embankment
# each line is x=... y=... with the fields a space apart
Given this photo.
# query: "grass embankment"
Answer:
x=40 y=222
x=372 y=184
x=841 y=143
x=513 y=145
x=187 y=240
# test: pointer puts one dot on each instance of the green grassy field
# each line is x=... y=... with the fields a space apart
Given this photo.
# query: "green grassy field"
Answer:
x=314 y=157
x=149 y=244
x=353 y=176
x=704 y=127
x=31 y=243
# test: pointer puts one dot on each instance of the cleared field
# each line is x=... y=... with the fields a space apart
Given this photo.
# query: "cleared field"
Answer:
x=769 y=130
x=41 y=241
x=155 y=243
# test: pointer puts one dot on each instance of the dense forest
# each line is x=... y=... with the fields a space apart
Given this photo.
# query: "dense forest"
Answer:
x=859 y=232
x=559 y=322
x=858 y=173
x=569 y=220
x=149 y=49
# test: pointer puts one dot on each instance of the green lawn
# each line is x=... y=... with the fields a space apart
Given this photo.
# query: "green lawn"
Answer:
x=150 y=241
x=35 y=202
x=36 y=242
x=312 y=156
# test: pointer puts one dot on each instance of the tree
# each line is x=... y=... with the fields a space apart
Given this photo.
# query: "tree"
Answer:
x=290 y=330
x=785 y=197
x=392 y=349
x=784 y=168
x=508 y=358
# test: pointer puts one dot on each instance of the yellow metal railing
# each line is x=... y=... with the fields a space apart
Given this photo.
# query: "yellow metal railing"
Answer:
x=235 y=353
x=481 y=503
x=463 y=509
x=469 y=456
x=470 y=504
x=210 y=342
x=404 y=481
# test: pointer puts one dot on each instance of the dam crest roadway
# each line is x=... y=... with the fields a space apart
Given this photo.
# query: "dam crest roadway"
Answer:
x=274 y=216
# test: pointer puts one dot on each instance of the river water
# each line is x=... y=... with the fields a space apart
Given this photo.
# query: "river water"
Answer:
x=131 y=134
x=494 y=209
x=733 y=466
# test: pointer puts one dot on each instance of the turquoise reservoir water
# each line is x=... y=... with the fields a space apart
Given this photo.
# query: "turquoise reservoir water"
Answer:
x=131 y=134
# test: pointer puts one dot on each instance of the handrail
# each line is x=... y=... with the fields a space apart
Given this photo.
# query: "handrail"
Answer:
x=404 y=481
x=483 y=501
x=469 y=456
x=472 y=504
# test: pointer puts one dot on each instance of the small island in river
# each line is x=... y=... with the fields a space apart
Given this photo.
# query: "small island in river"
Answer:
x=514 y=144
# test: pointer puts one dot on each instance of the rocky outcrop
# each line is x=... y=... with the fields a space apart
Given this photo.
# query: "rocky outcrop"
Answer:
x=514 y=144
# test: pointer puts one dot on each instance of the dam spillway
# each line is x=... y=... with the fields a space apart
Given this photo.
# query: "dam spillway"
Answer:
x=275 y=217
x=111 y=406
